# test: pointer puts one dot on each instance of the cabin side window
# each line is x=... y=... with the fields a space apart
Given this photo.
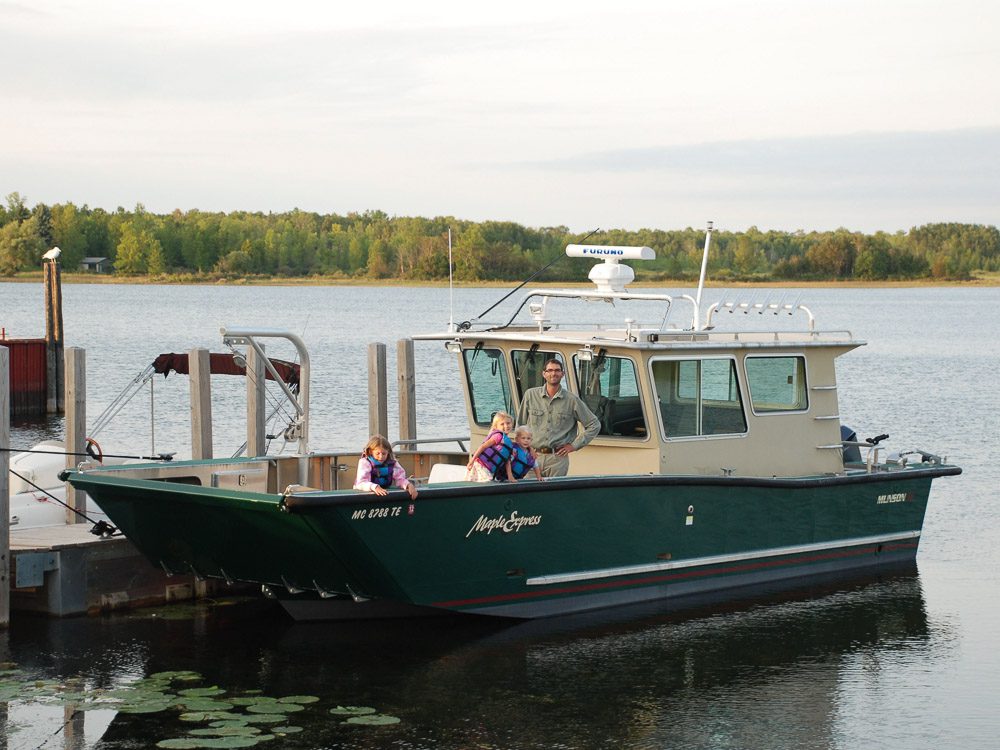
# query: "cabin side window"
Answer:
x=610 y=387
x=489 y=386
x=528 y=367
x=777 y=383
x=698 y=397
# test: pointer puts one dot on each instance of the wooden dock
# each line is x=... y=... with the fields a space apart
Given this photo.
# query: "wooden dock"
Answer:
x=66 y=570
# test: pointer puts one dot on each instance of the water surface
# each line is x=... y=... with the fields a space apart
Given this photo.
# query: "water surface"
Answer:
x=905 y=661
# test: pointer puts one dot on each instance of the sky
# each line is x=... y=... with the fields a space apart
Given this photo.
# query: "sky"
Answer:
x=870 y=115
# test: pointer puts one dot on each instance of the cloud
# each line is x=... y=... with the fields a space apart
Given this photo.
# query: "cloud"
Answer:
x=907 y=163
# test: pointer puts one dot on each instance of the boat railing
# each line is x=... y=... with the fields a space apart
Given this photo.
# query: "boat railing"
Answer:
x=775 y=308
x=893 y=460
x=461 y=441
x=539 y=310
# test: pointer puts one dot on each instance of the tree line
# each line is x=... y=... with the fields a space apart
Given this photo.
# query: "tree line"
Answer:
x=373 y=245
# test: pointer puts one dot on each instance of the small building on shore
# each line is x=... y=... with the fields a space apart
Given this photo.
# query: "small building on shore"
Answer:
x=96 y=265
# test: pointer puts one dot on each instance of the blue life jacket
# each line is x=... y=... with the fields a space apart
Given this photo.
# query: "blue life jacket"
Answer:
x=381 y=474
x=521 y=462
x=496 y=456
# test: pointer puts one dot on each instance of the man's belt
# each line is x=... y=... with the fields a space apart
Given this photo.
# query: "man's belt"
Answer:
x=545 y=450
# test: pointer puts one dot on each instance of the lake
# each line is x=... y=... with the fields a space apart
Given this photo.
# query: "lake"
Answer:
x=904 y=661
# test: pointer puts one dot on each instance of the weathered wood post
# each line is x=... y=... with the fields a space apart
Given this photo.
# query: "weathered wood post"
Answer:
x=407 y=390
x=378 y=410
x=200 y=374
x=54 y=370
x=255 y=403
x=76 y=426
x=4 y=487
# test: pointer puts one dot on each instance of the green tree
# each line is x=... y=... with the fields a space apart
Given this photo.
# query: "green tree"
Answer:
x=833 y=255
x=874 y=259
x=136 y=248
x=20 y=246
x=68 y=233
x=748 y=258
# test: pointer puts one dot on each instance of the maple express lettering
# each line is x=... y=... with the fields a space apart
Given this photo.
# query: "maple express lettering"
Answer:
x=503 y=524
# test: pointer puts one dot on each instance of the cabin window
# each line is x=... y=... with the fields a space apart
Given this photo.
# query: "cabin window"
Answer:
x=489 y=386
x=610 y=387
x=698 y=397
x=528 y=367
x=777 y=383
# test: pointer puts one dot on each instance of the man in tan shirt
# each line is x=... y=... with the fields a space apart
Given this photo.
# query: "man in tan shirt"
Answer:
x=555 y=417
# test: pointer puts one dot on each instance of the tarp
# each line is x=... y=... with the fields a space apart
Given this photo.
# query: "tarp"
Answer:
x=223 y=364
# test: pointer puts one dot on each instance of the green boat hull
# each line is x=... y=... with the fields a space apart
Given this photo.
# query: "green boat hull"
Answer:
x=530 y=549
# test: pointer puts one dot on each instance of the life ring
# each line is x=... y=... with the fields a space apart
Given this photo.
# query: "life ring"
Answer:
x=93 y=449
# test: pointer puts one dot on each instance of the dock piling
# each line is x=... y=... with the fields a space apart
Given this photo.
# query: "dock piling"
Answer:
x=55 y=372
x=200 y=374
x=255 y=403
x=405 y=370
x=4 y=487
x=76 y=426
x=378 y=410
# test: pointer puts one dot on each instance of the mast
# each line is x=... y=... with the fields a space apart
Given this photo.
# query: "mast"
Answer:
x=704 y=267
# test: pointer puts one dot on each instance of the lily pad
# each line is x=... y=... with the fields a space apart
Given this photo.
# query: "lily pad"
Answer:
x=241 y=731
x=203 y=704
x=193 y=743
x=301 y=699
x=202 y=692
x=282 y=731
x=202 y=716
x=182 y=674
x=265 y=718
x=373 y=720
x=250 y=700
x=352 y=710
x=143 y=708
x=234 y=741
x=274 y=708
x=241 y=722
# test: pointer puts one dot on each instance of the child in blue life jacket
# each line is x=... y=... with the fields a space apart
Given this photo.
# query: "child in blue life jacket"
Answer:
x=378 y=469
x=522 y=459
x=495 y=452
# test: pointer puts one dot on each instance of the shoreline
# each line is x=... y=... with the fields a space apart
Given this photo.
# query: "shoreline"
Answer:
x=92 y=278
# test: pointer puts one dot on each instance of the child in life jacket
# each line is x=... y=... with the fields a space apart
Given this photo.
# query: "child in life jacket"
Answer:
x=378 y=470
x=494 y=454
x=522 y=458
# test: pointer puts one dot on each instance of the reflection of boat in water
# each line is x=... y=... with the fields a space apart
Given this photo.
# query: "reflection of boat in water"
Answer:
x=766 y=673
x=719 y=466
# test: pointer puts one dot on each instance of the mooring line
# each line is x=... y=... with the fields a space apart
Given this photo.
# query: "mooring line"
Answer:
x=101 y=528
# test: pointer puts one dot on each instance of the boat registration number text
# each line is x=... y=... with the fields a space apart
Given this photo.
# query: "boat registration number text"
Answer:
x=383 y=512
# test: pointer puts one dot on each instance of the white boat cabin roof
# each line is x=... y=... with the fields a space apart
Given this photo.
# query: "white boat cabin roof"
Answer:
x=676 y=391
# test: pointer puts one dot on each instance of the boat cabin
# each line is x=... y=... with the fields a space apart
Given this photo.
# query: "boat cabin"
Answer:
x=671 y=400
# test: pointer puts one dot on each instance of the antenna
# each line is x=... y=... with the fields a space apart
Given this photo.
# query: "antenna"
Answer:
x=704 y=265
x=451 y=290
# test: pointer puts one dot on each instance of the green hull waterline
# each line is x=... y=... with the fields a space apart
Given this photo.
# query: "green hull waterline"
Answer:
x=530 y=549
